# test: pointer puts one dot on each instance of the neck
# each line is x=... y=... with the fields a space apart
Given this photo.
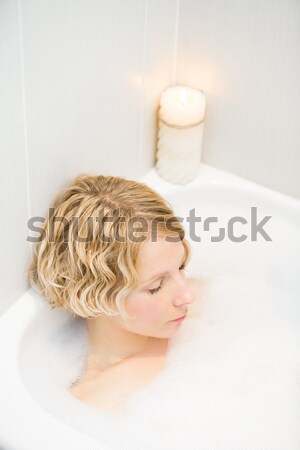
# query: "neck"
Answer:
x=110 y=344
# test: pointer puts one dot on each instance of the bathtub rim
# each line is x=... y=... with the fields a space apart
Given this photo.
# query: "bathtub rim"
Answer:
x=18 y=407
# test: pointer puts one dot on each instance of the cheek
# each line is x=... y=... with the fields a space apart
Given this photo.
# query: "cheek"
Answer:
x=146 y=310
x=153 y=312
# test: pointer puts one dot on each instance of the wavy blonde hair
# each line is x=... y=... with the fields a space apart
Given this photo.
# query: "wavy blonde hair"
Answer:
x=92 y=277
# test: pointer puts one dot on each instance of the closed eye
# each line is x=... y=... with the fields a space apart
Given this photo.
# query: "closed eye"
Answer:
x=154 y=290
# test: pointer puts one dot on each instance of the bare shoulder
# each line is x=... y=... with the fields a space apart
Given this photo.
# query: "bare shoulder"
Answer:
x=104 y=390
x=110 y=388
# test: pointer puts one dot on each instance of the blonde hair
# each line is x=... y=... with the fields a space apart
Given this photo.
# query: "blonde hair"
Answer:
x=92 y=277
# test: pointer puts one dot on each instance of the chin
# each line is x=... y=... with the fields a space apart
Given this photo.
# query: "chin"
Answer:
x=165 y=334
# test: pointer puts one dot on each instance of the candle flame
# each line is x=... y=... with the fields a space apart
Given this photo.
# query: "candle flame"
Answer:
x=183 y=96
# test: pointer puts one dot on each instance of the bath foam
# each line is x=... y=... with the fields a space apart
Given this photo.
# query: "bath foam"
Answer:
x=231 y=379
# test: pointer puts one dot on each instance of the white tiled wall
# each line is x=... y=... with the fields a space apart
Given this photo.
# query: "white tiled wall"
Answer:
x=13 y=179
x=80 y=82
x=245 y=56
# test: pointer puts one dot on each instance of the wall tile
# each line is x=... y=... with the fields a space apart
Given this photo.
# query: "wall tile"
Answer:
x=51 y=106
x=159 y=71
x=108 y=44
x=13 y=180
x=245 y=56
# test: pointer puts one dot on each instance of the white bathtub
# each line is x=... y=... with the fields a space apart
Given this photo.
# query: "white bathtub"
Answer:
x=26 y=424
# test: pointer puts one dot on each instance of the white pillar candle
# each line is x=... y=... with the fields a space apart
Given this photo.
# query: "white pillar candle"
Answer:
x=180 y=134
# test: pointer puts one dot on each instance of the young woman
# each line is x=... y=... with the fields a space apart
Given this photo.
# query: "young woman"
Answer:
x=113 y=252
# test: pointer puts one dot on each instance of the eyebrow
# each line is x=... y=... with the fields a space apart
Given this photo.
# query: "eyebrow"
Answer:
x=159 y=275
x=154 y=277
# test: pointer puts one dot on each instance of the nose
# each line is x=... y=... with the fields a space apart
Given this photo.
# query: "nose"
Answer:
x=184 y=294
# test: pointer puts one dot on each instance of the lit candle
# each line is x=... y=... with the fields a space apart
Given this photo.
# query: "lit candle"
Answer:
x=180 y=135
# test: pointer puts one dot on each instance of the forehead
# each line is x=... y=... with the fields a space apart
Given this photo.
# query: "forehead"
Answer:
x=158 y=256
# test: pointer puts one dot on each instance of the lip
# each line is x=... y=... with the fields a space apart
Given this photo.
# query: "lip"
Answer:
x=179 y=319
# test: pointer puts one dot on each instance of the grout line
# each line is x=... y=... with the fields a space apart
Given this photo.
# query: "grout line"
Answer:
x=25 y=128
x=142 y=103
x=175 y=49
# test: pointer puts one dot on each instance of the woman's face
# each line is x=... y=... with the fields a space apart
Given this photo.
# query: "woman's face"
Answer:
x=163 y=293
